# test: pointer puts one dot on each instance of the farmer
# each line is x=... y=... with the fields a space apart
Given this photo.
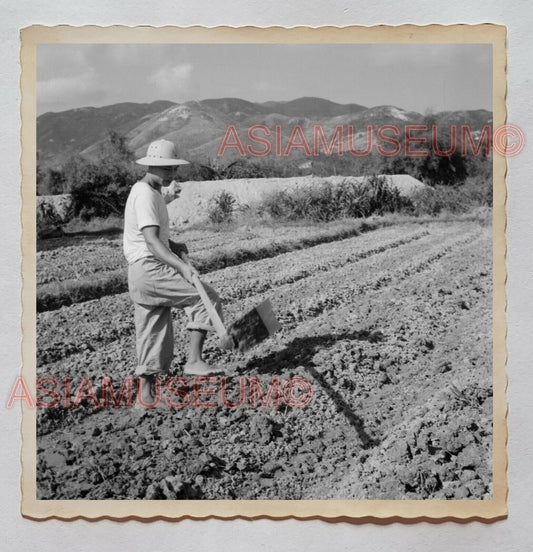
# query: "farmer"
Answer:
x=158 y=278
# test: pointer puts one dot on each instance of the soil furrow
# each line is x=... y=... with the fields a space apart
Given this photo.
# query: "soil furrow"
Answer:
x=426 y=353
x=389 y=418
x=115 y=320
x=114 y=312
x=80 y=287
x=116 y=357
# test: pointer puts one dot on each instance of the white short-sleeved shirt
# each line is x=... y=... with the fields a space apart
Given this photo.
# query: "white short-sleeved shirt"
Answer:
x=145 y=207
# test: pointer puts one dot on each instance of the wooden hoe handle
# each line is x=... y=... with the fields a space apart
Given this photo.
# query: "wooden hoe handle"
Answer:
x=213 y=314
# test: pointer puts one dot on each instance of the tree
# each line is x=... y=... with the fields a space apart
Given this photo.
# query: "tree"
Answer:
x=101 y=188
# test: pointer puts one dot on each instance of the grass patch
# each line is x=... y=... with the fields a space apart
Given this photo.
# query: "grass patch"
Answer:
x=55 y=295
x=97 y=225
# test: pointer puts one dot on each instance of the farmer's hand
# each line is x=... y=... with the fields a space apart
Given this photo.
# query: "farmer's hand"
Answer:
x=171 y=192
x=178 y=248
x=188 y=271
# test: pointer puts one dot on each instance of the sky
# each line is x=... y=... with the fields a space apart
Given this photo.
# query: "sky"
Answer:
x=418 y=77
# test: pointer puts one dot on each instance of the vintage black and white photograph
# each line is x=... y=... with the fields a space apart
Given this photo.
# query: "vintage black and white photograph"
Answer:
x=264 y=271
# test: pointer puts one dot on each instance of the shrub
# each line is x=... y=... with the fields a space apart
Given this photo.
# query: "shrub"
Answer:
x=453 y=199
x=243 y=168
x=50 y=181
x=52 y=212
x=100 y=188
x=221 y=207
x=449 y=170
x=327 y=201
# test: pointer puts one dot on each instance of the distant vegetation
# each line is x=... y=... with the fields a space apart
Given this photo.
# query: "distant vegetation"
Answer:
x=327 y=202
x=100 y=186
x=432 y=169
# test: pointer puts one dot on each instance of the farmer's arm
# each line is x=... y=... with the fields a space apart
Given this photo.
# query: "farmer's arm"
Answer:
x=161 y=253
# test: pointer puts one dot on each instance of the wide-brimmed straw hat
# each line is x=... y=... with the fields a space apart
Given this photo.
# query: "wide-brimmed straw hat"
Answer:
x=161 y=153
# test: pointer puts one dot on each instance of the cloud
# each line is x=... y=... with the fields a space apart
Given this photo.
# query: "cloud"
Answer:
x=140 y=54
x=172 y=80
x=412 y=76
x=76 y=90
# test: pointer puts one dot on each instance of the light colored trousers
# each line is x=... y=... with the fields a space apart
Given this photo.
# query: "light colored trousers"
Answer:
x=155 y=288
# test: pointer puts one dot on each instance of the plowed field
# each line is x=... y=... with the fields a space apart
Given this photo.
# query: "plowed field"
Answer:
x=391 y=331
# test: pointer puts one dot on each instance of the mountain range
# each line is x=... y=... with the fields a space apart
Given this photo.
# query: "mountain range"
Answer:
x=198 y=127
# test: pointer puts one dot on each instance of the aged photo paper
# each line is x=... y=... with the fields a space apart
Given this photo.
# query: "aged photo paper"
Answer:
x=264 y=273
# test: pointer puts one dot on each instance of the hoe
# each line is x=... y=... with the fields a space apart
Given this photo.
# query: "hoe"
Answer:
x=246 y=332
